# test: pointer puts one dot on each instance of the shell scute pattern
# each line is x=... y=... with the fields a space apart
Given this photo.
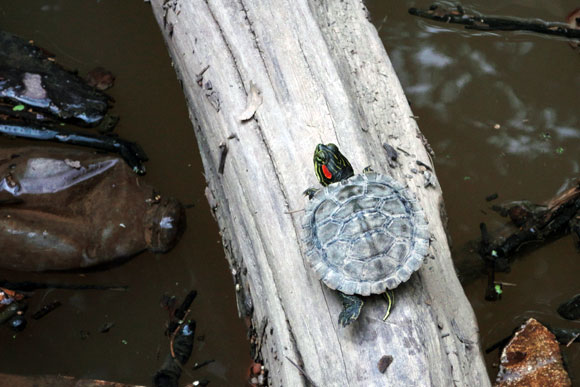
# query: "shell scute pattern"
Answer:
x=366 y=222
x=357 y=205
x=395 y=207
x=348 y=192
x=365 y=234
x=325 y=209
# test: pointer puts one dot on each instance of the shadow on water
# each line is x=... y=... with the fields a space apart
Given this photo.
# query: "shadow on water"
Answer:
x=500 y=111
x=124 y=38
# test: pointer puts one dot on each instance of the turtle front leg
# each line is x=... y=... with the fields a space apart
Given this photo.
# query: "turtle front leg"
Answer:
x=310 y=192
x=352 y=306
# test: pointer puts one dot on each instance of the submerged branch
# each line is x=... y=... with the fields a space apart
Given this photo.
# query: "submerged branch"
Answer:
x=476 y=21
x=131 y=152
x=28 y=286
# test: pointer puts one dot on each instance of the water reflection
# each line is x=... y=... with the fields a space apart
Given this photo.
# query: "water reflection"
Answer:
x=501 y=112
x=428 y=57
x=488 y=80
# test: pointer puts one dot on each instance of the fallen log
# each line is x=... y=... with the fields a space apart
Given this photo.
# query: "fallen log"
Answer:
x=323 y=76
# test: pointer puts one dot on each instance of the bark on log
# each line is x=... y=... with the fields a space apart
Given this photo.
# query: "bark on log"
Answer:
x=324 y=76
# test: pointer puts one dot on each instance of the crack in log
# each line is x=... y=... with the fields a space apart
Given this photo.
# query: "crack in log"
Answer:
x=268 y=150
x=299 y=358
x=241 y=79
x=227 y=43
x=255 y=38
x=283 y=191
x=335 y=330
x=315 y=77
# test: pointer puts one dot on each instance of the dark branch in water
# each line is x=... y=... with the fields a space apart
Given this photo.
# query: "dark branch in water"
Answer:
x=301 y=371
x=31 y=77
x=131 y=152
x=476 y=21
x=31 y=286
x=535 y=224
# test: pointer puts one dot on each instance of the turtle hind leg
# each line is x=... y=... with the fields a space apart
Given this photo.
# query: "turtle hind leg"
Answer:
x=352 y=306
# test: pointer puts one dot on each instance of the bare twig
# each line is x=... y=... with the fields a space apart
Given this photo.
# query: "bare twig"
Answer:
x=301 y=371
x=175 y=334
x=294 y=211
x=573 y=339
x=504 y=283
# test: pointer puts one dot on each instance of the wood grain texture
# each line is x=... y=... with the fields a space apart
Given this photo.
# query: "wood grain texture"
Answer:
x=324 y=76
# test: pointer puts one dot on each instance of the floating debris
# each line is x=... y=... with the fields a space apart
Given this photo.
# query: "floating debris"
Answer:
x=532 y=358
x=46 y=309
x=31 y=77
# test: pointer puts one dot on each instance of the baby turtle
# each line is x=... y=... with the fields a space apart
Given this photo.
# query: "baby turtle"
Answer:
x=365 y=234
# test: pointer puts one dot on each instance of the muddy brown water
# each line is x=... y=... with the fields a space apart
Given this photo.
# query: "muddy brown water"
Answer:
x=460 y=84
x=123 y=37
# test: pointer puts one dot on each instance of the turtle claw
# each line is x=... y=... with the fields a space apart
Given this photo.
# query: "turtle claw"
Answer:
x=310 y=192
x=390 y=296
x=352 y=306
x=345 y=319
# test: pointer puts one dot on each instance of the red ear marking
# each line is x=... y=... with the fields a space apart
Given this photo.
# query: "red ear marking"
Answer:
x=326 y=172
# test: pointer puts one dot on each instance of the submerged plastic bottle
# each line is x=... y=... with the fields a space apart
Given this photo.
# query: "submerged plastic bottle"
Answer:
x=67 y=209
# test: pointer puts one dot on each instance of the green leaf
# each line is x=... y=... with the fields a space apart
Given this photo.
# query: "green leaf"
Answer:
x=18 y=108
x=466 y=177
x=559 y=150
x=498 y=289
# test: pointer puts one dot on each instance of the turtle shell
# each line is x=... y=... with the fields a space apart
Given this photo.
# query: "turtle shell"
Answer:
x=365 y=234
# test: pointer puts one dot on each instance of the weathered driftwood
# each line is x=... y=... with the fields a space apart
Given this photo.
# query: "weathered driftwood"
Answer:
x=323 y=76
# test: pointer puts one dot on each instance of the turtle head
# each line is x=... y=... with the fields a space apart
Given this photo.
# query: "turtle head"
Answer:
x=330 y=165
